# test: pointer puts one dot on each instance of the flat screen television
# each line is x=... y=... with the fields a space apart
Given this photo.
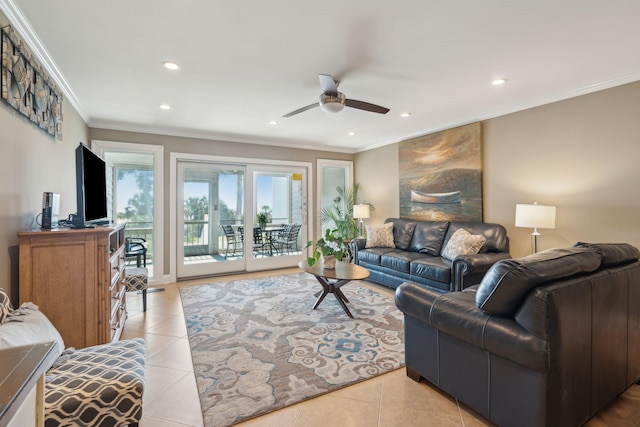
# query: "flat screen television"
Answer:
x=91 y=189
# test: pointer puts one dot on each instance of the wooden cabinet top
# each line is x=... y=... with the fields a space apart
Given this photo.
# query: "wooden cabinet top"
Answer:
x=101 y=229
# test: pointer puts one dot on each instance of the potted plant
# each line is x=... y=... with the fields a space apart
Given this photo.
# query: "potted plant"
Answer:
x=330 y=248
x=264 y=216
x=341 y=212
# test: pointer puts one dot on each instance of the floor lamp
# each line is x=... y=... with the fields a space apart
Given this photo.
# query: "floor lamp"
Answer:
x=361 y=212
x=535 y=216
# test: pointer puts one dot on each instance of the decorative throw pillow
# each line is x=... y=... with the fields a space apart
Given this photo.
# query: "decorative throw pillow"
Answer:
x=380 y=236
x=402 y=234
x=463 y=243
x=5 y=306
x=4 y=313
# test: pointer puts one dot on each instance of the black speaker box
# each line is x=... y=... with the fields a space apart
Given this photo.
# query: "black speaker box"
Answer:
x=50 y=209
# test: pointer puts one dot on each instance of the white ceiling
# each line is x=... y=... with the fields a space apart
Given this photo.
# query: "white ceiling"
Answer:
x=245 y=63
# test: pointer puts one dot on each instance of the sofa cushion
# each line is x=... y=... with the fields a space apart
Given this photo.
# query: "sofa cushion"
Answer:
x=612 y=253
x=399 y=260
x=463 y=243
x=434 y=268
x=508 y=281
x=33 y=327
x=403 y=233
x=380 y=236
x=101 y=385
x=372 y=256
x=428 y=236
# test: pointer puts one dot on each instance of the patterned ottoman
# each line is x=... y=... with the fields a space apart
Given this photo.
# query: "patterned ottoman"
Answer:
x=137 y=279
x=97 y=386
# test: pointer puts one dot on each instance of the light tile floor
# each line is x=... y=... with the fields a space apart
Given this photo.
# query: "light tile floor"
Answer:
x=171 y=398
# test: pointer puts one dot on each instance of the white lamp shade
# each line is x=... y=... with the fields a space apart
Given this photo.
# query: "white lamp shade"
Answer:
x=361 y=211
x=535 y=216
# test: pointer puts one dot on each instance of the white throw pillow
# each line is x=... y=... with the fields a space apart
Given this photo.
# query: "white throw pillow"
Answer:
x=380 y=236
x=463 y=243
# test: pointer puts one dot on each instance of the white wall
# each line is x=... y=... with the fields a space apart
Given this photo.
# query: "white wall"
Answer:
x=32 y=162
x=376 y=171
x=581 y=155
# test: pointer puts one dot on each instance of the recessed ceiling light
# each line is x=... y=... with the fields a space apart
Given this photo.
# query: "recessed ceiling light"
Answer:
x=351 y=133
x=498 y=82
x=405 y=114
x=171 y=65
x=165 y=106
x=273 y=122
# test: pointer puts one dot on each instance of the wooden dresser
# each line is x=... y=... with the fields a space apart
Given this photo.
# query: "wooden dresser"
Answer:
x=75 y=277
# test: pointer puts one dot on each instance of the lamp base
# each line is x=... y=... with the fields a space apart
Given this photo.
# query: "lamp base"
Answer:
x=534 y=240
x=360 y=225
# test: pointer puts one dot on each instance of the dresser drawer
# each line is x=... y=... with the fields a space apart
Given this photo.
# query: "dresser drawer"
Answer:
x=117 y=322
x=117 y=268
x=117 y=298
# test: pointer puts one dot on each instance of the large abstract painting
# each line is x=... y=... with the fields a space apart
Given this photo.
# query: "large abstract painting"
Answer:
x=441 y=175
x=27 y=88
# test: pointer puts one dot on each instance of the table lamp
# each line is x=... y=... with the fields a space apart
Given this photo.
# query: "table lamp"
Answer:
x=361 y=212
x=535 y=216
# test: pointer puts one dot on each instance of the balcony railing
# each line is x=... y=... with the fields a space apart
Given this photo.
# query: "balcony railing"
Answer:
x=196 y=235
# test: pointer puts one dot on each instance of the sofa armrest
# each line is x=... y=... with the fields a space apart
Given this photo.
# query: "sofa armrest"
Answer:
x=465 y=266
x=457 y=315
x=357 y=244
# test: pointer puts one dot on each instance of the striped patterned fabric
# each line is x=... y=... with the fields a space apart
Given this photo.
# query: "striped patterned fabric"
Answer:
x=97 y=386
x=5 y=306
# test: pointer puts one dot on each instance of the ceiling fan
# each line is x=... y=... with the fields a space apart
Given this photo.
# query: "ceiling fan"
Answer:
x=332 y=101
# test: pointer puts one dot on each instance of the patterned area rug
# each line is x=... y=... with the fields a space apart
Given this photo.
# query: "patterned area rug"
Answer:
x=258 y=346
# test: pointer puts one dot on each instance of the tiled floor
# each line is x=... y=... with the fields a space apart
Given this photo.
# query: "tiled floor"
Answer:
x=171 y=398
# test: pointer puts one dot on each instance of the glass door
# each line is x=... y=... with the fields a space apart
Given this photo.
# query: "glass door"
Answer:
x=135 y=196
x=279 y=212
x=331 y=175
x=210 y=219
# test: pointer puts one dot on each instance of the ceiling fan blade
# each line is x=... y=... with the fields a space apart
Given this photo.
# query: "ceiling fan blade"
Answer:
x=302 y=110
x=361 y=105
x=327 y=84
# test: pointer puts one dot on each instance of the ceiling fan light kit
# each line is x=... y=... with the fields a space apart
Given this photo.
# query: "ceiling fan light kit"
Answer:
x=332 y=101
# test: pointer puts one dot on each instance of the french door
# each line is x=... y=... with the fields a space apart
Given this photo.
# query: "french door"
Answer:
x=234 y=217
x=135 y=195
x=210 y=200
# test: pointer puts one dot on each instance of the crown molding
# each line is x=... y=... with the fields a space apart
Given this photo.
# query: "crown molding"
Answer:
x=33 y=42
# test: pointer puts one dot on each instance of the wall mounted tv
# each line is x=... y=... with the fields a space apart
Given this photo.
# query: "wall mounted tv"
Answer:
x=91 y=189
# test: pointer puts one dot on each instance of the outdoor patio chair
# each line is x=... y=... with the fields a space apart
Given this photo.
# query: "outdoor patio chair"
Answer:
x=233 y=242
x=258 y=241
x=136 y=247
x=289 y=239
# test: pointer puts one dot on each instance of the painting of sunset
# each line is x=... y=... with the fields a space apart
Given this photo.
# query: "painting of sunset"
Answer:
x=441 y=175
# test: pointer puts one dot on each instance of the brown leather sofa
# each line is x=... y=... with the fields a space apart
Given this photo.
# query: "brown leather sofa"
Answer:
x=416 y=255
x=544 y=340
